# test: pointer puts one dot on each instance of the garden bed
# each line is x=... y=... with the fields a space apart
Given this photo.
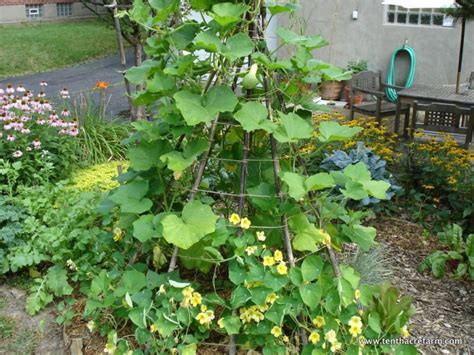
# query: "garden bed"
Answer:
x=444 y=308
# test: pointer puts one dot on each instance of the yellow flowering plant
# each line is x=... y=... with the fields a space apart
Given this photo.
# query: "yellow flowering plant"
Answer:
x=218 y=185
x=439 y=180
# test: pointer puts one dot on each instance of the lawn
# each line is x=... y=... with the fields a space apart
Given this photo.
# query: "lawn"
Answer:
x=37 y=47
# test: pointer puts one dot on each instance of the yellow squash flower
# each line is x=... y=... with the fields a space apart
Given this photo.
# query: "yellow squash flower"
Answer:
x=276 y=331
x=357 y=294
x=118 y=234
x=336 y=346
x=245 y=223
x=271 y=298
x=153 y=328
x=268 y=261
x=355 y=321
x=251 y=250
x=282 y=269
x=331 y=336
x=404 y=331
x=188 y=291
x=205 y=318
x=196 y=299
x=319 y=321
x=278 y=256
x=220 y=323
x=234 y=219
x=314 y=337
x=355 y=326
x=261 y=236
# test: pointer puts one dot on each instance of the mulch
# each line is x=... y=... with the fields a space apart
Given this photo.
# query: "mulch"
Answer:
x=444 y=307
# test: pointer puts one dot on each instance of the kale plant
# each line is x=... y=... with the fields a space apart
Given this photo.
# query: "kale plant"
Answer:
x=339 y=160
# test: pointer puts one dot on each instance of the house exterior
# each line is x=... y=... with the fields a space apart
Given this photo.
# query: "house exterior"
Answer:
x=366 y=29
x=34 y=10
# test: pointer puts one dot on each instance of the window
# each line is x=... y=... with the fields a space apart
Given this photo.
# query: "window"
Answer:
x=399 y=15
x=34 y=11
x=64 y=9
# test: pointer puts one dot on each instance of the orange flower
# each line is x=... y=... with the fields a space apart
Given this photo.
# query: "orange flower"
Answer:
x=101 y=85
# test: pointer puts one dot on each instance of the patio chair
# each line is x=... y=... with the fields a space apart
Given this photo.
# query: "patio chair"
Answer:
x=444 y=118
x=369 y=82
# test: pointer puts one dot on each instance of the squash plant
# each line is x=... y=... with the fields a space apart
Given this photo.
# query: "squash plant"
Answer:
x=219 y=233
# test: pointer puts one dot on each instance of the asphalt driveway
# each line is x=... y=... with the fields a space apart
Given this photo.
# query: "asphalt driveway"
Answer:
x=81 y=79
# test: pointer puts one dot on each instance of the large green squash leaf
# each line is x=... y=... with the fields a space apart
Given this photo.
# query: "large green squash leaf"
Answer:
x=254 y=116
x=292 y=129
x=197 y=221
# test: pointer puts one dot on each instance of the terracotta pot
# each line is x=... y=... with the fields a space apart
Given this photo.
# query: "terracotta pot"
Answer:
x=348 y=96
x=331 y=90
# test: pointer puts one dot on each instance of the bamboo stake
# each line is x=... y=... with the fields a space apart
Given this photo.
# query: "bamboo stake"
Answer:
x=123 y=58
x=197 y=182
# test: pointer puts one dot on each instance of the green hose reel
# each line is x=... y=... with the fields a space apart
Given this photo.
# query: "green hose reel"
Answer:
x=390 y=92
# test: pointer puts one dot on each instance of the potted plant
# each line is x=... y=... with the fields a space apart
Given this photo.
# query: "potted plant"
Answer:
x=355 y=67
x=332 y=82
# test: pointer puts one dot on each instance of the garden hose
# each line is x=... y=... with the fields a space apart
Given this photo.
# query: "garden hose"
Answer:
x=390 y=92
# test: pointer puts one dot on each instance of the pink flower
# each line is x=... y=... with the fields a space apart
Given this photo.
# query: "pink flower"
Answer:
x=36 y=144
x=25 y=131
x=17 y=154
x=73 y=132
x=10 y=89
x=66 y=113
x=20 y=88
x=43 y=83
x=41 y=94
x=2 y=91
x=41 y=122
x=11 y=138
x=64 y=93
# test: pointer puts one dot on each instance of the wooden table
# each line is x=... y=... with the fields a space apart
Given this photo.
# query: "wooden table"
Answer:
x=433 y=93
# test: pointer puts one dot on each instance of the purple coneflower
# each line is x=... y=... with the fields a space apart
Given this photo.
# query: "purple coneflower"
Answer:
x=36 y=144
x=43 y=83
x=20 y=88
x=64 y=93
x=11 y=138
x=73 y=132
x=17 y=154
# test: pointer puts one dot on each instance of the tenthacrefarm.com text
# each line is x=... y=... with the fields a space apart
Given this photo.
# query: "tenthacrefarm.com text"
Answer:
x=412 y=341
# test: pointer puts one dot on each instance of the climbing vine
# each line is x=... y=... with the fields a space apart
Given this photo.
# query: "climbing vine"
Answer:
x=220 y=234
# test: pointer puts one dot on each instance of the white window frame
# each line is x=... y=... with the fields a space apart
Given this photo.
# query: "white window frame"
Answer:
x=34 y=11
x=399 y=11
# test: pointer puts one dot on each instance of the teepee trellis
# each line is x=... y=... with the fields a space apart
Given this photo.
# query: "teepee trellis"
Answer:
x=256 y=32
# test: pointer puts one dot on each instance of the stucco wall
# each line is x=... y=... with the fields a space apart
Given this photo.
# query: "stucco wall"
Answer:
x=370 y=38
